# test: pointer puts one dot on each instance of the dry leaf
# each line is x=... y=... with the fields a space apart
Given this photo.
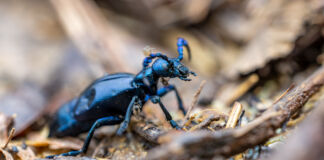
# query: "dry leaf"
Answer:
x=25 y=154
x=71 y=158
x=65 y=143
x=55 y=144
x=272 y=31
x=5 y=155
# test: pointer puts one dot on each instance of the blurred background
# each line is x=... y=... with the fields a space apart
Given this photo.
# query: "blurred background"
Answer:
x=51 y=50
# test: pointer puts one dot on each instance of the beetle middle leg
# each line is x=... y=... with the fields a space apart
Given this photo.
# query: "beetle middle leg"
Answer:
x=163 y=91
x=156 y=99
x=111 y=120
x=124 y=124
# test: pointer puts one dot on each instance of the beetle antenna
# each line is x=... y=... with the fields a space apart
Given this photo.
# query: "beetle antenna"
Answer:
x=183 y=43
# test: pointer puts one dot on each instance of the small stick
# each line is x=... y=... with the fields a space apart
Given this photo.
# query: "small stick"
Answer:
x=243 y=88
x=192 y=117
x=283 y=94
x=11 y=134
x=195 y=99
x=205 y=122
x=256 y=122
x=234 y=115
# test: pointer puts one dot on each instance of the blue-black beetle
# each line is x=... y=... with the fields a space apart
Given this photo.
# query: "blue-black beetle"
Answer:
x=109 y=100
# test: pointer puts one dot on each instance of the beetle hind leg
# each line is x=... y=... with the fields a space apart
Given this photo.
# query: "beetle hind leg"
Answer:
x=111 y=120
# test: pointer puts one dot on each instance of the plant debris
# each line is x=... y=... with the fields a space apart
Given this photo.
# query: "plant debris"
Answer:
x=230 y=142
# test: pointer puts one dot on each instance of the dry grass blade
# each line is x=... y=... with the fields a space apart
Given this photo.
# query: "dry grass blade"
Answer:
x=234 y=115
x=11 y=134
x=195 y=99
x=205 y=122
x=215 y=112
x=6 y=122
x=243 y=88
x=283 y=94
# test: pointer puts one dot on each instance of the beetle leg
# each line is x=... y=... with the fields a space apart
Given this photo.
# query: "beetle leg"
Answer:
x=156 y=99
x=163 y=91
x=111 y=120
x=123 y=126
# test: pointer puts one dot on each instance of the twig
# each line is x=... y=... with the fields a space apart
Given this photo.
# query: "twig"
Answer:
x=234 y=115
x=308 y=138
x=283 y=94
x=195 y=99
x=205 y=122
x=192 y=117
x=258 y=121
x=243 y=88
x=11 y=134
x=229 y=142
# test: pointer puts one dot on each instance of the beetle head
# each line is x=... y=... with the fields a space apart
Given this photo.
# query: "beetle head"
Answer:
x=172 y=68
x=180 y=70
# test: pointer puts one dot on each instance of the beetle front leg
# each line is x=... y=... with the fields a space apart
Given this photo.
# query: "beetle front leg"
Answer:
x=124 y=124
x=163 y=91
x=156 y=99
x=111 y=120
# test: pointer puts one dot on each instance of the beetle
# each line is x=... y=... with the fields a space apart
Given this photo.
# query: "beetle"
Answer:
x=110 y=99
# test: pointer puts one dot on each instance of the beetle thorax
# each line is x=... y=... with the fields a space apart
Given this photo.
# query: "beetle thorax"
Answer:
x=161 y=68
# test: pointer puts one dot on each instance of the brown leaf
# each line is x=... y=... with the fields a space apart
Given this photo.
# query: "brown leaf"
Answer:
x=271 y=32
x=65 y=143
x=25 y=154
x=55 y=144
x=27 y=102
x=73 y=158
x=5 y=155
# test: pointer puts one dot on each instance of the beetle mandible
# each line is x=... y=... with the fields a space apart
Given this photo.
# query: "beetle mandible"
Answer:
x=109 y=100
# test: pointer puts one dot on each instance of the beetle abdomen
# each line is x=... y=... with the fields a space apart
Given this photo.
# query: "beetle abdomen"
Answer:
x=65 y=125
